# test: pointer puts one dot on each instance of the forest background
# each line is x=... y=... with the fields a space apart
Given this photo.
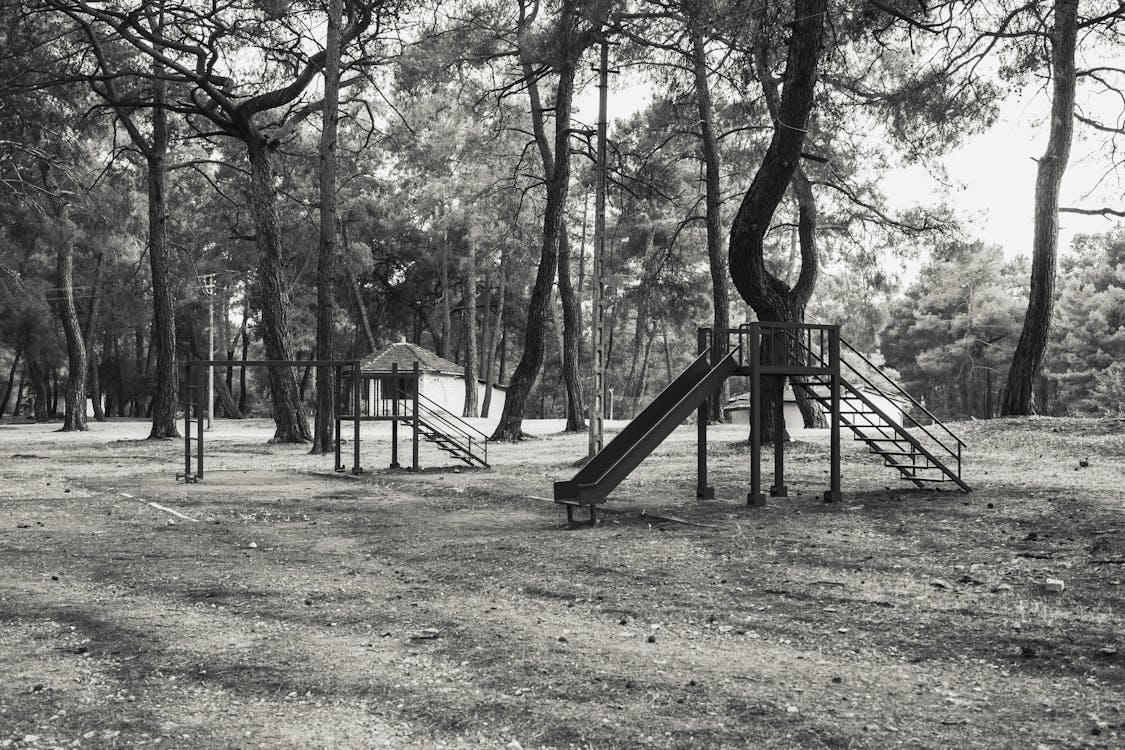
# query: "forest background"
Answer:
x=336 y=176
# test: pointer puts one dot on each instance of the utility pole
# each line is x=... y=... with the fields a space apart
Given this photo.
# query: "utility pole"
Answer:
x=209 y=281
x=597 y=403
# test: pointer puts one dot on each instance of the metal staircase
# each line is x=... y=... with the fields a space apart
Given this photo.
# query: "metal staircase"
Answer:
x=928 y=455
x=452 y=434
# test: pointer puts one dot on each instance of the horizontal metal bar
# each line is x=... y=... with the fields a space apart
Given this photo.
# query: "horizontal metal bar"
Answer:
x=270 y=362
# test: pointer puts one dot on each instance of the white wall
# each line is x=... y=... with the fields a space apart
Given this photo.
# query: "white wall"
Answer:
x=793 y=420
x=448 y=391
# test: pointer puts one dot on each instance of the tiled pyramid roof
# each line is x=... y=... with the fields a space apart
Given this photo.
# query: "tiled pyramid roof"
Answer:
x=405 y=355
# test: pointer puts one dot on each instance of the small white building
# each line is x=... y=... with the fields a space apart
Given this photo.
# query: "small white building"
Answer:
x=737 y=410
x=440 y=381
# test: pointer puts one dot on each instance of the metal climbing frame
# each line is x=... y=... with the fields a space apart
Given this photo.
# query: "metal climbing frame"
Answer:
x=395 y=396
x=773 y=349
x=195 y=399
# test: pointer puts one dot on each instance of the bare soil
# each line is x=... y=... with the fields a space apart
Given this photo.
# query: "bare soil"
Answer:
x=298 y=608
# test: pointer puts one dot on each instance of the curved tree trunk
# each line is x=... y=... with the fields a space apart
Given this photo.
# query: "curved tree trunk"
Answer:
x=1028 y=355
x=324 y=423
x=811 y=415
x=770 y=298
x=572 y=339
x=288 y=413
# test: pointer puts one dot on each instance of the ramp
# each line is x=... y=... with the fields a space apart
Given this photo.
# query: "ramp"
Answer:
x=612 y=464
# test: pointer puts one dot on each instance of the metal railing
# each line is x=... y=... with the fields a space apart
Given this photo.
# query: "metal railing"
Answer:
x=460 y=432
x=817 y=354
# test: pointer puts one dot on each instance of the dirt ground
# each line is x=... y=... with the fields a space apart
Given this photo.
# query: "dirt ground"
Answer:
x=284 y=606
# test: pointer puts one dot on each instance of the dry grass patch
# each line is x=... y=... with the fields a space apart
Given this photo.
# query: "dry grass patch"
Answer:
x=306 y=609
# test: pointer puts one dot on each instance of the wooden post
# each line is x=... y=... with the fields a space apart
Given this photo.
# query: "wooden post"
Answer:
x=356 y=382
x=755 y=497
x=189 y=387
x=394 y=415
x=778 y=348
x=337 y=415
x=833 y=493
x=705 y=343
x=417 y=388
x=199 y=448
x=597 y=403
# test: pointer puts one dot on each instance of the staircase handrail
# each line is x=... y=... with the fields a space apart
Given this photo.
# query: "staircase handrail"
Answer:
x=450 y=419
x=820 y=357
x=875 y=368
x=460 y=432
x=901 y=390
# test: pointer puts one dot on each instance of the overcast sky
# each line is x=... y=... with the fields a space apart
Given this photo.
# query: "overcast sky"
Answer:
x=992 y=174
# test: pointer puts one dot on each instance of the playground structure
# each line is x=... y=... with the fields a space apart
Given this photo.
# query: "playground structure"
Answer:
x=811 y=356
x=361 y=396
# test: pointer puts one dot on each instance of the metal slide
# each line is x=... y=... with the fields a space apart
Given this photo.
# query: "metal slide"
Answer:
x=612 y=464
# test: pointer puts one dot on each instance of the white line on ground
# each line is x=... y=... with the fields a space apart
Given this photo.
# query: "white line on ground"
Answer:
x=158 y=506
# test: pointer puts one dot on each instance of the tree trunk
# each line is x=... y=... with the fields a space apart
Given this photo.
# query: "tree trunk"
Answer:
x=361 y=307
x=91 y=320
x=572 y=339
x=472 y=353
x=446 y=316
x=18 y=408
x=1028 y=355
x=642 y=380
x=325 y=421
x=288 y=413
x=163 y=310
x=557 y=183
x=222 y=392
x=306 y=372
x=770 y=298
x=245 y=353
x=40 y=389
x=494 y=338
x=119 y=385
x=140 y=368
x=74 y=416
x=807 y=216
x=709 y=148
x=988 y=394
x=11 y=382
x=667 y=352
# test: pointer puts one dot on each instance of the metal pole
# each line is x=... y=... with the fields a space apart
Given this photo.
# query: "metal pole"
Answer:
x=337 y=411
x=189 y=388
x=833 y=494
x=597 y=403
x=417 y=428
x=779 y=343
x=755 y=497
x=210 y=348
x=199 y=448
x=394 y=415
x=355 y=417
x=702 y=491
